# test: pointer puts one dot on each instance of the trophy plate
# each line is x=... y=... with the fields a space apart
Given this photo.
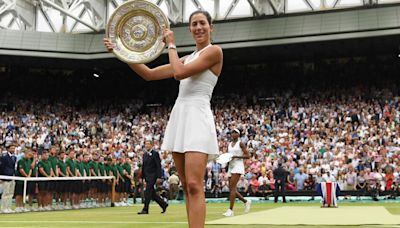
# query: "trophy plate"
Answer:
x=136 y=28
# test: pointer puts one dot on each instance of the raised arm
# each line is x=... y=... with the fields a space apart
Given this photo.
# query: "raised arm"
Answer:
x=148 y=74
x=208 y=59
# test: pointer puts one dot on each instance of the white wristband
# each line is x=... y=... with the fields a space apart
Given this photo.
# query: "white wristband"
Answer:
x=171 y=46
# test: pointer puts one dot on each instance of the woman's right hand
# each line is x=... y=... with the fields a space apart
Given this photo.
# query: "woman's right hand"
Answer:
x=169 y=37
x=109 y=45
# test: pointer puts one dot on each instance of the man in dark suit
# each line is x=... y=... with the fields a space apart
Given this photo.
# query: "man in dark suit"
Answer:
x=151 y=172
x=280 y=176
x=7 y=168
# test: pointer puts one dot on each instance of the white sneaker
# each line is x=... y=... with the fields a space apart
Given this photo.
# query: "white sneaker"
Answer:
x=33 y=209
x=67 y=208
x=18 y=210
x=26 y=209
x=41 y=209
x=9 y=211
x=48 y=208
x=228 y=213
x=247 y=206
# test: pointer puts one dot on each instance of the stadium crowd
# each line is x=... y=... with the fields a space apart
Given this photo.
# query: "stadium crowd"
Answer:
x=348 y=139
x=350 y=135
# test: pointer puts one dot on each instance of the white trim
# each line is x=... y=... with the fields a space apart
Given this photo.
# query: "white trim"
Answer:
x=88 y=222
x=53 y=178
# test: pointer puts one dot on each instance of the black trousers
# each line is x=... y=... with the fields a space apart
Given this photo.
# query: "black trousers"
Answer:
x=279 y=187
x=150 y=194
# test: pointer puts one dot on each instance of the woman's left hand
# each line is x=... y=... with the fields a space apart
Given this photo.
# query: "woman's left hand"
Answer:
x=169 y=37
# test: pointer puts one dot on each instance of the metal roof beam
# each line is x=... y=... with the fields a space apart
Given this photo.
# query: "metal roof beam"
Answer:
x=256 y=12
x=66 y=12
x=309 y=4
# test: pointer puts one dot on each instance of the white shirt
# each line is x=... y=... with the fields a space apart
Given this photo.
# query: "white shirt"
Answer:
x=327 y=178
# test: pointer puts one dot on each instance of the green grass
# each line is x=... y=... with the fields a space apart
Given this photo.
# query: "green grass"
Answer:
x=127 y=217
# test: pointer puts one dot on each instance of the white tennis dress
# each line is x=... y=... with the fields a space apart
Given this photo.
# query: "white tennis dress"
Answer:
x=237 y=164
x=191 y=125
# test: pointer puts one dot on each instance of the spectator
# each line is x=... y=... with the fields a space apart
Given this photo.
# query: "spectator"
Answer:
x=348 y=127
x=361 y=184
x=351 y=179
x=309 y=184
x=299 y=179
x=328 y=177
x=341 y=179
x=173 y=182
x=389 y=177
x=7 y=168
x=243 y=186
x=254 y=185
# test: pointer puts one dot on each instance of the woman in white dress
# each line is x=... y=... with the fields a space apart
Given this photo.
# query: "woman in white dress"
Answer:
x=190 y=133
x=235 y=170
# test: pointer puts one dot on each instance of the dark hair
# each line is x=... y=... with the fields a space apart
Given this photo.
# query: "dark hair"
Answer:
x=11 y=145
x=205 y=13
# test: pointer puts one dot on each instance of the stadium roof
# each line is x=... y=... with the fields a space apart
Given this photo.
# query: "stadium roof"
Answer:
x=351 y=24
x=83 y=16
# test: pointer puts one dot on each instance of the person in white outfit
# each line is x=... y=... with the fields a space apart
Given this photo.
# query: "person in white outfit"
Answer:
x=190 y=133
x=235 y=170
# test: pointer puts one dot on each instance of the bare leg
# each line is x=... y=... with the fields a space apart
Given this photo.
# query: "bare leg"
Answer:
x=18 y=201
x=179 y=160
x=238 y=195
x=30 y=200
x=49 y=199
x=232 y=189
x=195 y=166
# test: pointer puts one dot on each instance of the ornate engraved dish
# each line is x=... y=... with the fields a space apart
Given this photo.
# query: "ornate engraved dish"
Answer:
x=136 y=28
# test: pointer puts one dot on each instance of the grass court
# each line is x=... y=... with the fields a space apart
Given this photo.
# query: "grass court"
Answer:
x=119 y=217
